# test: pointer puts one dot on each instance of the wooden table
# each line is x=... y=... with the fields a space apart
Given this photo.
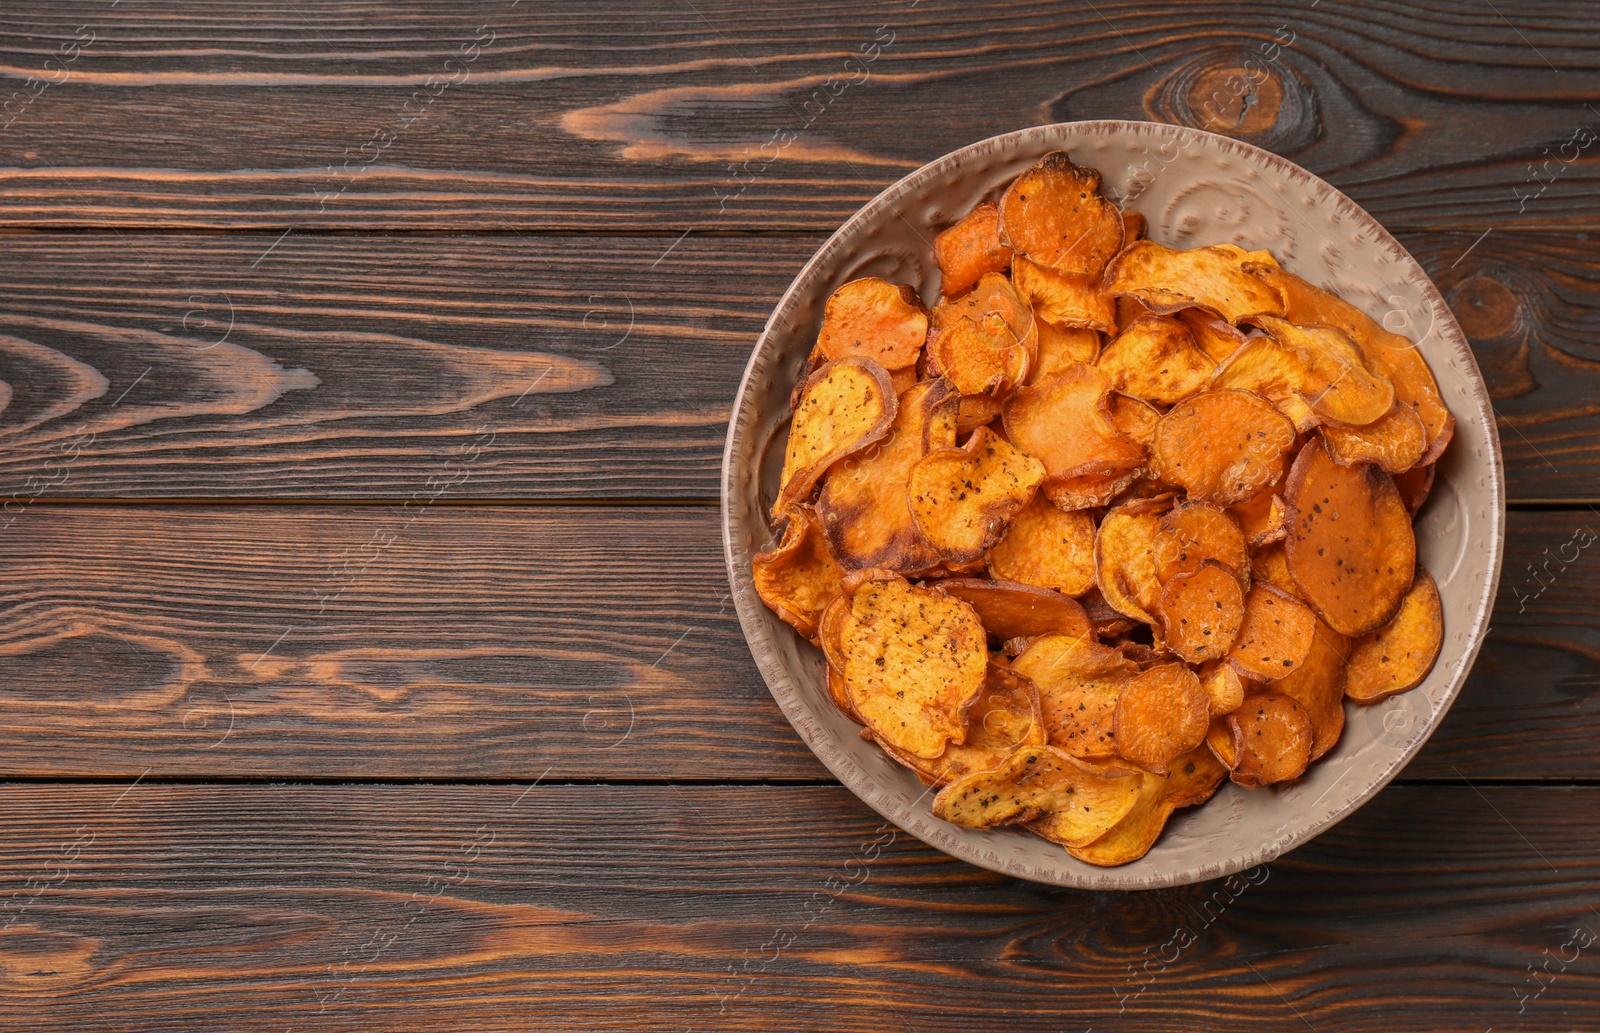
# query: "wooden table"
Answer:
x=369 y=661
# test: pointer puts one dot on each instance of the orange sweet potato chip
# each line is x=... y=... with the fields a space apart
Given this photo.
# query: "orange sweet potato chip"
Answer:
x=1155 y=358
x=1414 y=486
x=1065 y=299
x=1009 y=610
x=1062 y=421
x=976 y=411
x=1276 y=635
x=1334 y=381
x=1161 y=715
x=1062 y=346
x=1351 y=551
x=1125 y=559
x=1222 y=446
x=1192 y=778
x=1086 y=491
x=799 y=577
x=1005 y=716
x=1218 y=338
x=1195 y=532
x=1395 y=440
x=1134 y=225
x=1053 y=213
x=914 y=661
x=845 y=406
x=1263 y=519
x=1318 y=685
x=1224 y=688
x=1048 y=547
x=964 y=499
x=1134 y=419
x=1091 y=815
x=1270 y=565
x=874 y=319
x=1399 y=655
x=1166 y=280
x=971 y=248
x=1036 y=780
x=865 y=507
x=1273 y=738
x=840 y=694
x=992 y=295
x=1220 y=739
x=1201 y=612
x=979 y=356
x=1079 y=682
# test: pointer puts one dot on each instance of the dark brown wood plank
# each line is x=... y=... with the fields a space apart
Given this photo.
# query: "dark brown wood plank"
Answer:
x=164 y=366
x=502 y=642
x=657 y=908
x=635 y=116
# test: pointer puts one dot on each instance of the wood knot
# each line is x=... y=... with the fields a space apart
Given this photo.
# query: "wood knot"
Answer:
x=1485 y=307
x=1248 y=92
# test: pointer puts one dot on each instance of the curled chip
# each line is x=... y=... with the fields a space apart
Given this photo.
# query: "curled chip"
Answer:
x=1004 y=717
x=1134 y=225
x=1009 y=610
x=1036 y=780
x=1079 y=681
x=1395 y=440
x=1333 y=379
x=1134 y=419
x=798 y=578
x=1155 y=358
x=1166 y=280
x=1125 y=559
x=964 y=499
x=1220 y=739
x=1273 y=736
x=1091 y=815
x=1351 y=551
x=1222 y=446
x=1201 y=612
x=1195 y=532
x=865 y=507
x=1414 y=486
x=993 y=295
x=1318 y=685
x=1107 y=622
x=1270 y=565
x=1224 y=688
x=979 y=356
x=1086 y=491
x=1263 y=519
x=971 y=248
x=1162 y=714
x=1276 y=635
x=976 y=411
x=1192 y=778
x=1218 y=338
x=874 y=319
x=1048 y=547
x=1065 y=299
x=1400 y=654
x=914 y=661
x=1060 y=347
x=845 y=406
x=1053 y=213
x=840 y=695
x=1063 y=422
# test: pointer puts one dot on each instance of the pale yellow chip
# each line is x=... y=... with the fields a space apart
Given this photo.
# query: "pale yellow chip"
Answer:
x=1167 y=280
x=1005 y=716
x=1155 y=358
x=1079 y=681
x=844 y=407
x=1037 y=780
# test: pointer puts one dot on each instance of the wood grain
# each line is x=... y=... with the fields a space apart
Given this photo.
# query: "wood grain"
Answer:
x=635 y=117
x=241 y=366
x=504 y=642
x=584 y=907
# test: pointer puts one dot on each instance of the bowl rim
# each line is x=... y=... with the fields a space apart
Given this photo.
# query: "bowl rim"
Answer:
x=778 y=679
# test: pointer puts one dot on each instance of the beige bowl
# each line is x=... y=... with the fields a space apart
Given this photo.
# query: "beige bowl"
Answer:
x=1194 y=188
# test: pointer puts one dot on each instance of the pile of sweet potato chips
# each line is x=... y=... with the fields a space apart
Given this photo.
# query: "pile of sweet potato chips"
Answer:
x=1109 y=523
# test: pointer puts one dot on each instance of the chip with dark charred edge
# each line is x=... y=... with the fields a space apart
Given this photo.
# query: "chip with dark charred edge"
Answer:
x=830 y=626
x=1399 y=655
x=1162 y=714
x=978 y=356
x=964 y=499
x=914 y=661
x=1107 y=622
x=1134 y=419
x=1193 y=778
x=1318 y=686
x=1351 y=550
x=1385 y=352
x=1194 y=532
x=1062 y=421
x=798 y=578
x=1263 y=519
x=1086 y=491
x=865 y=507
x=1087 y=820
x=1200 y=612
x=1414 y=485
x=1005 y=716
x=1270 y=565
x=1221 y=740
x=1155 y=358
x=1060 y=347
x=1125 y=559
x=1079 y=681
x=1218 y=338
x=1036 y=780
x=1224 y=688
x=1010 y=610
x=1048 y=547
x=874 y=319
x=845 y=407
x=1395 y=441
x=1276 y=635
x=971 y=248
x=1222 y=446
x=1167 y=279
x=1273 y=736
x=1053 y=213
x=1065 y=299
x=1335 y=382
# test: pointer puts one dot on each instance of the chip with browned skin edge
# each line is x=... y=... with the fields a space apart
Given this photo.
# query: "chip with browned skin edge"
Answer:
x=1395 y=440
x=799 y=577
x=1005 y=716
x=1201 y=612
x=1399 y=655
x=1079 y=681
x=844 y=407
x=1036 y=780
x=1053 y=213
x=1213 y=278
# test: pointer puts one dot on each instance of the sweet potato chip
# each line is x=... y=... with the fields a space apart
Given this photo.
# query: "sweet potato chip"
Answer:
x=979 y=356
x=1053 y=213
x=1192 y=779
x=1223 y=686
x=1399 y=655
x=1004 y=717
x=1218 y=338
x=992 y=295
x=1134 y=419
x=1263 y=519
x=1036 y=780
x=1395 y=440
x=1334 y=380
x=914 y=661
x=1276 y=635
x=976 y=411
x=1201 y=612
x=1222 y=446
x=1414 y=486
x=1060 y=347
x=1270 y=565
x=1166 y=280
x=1048 y=547
x=1064 y=299
x=1273 y=737
x=865 y=507
x=1009 y=610
x=1086 y=491
x=840 y=694
x=1092 y=815
x=964 y=499
x=1318 y=685
x=1161 y=715
x=1195 y=532
x=1079 y=681
x=845 y=406
x=874 y=319
x=1134 y=225
x=798 y=578
x=971 y=248
x=1062 y=421
x=1351 y=551
x=1263 y=367
x=1155 y=358
x=1221 y=740
x=1107 y=622
x=1125 y=559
